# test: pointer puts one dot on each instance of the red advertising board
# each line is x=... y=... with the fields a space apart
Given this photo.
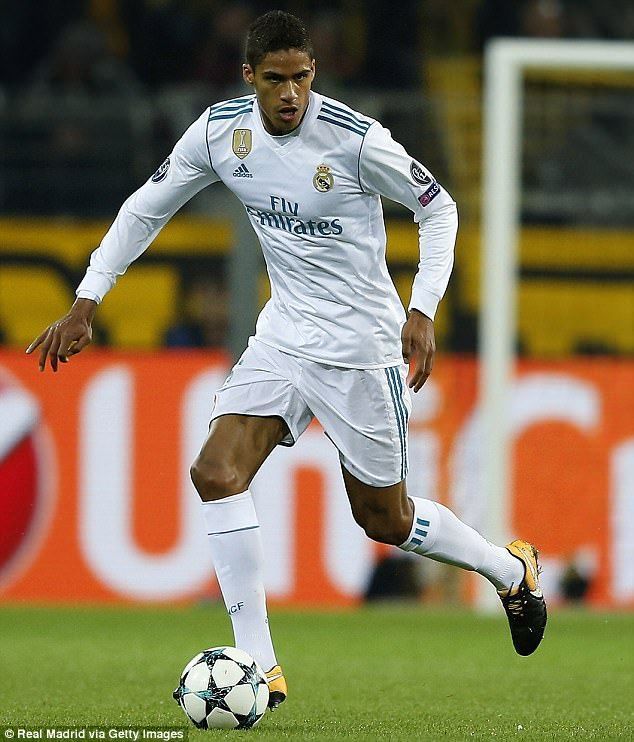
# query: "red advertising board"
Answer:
x=96 y=503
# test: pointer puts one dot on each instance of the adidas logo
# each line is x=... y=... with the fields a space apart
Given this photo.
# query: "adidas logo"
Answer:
x=242 y=172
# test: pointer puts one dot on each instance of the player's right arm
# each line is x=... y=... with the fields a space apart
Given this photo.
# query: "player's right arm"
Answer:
x=66 y=337
x=184 y=173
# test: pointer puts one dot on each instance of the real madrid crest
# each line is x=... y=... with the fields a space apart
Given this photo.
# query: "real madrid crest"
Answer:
x=242 y=142
x=323 y=179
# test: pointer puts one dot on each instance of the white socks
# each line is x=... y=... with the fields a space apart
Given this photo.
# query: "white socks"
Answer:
x=236 y=549
x=437 y=533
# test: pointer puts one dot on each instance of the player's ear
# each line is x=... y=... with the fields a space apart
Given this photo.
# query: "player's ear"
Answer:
x=312 y=68
x=248 y=74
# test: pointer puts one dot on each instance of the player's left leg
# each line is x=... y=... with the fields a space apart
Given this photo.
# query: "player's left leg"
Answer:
x=430 y=529
x=365 y=413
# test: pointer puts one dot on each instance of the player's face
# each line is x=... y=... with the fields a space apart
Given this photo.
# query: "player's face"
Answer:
x=282 y=83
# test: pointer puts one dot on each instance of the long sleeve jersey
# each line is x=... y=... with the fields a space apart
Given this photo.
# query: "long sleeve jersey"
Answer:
x=313 y=199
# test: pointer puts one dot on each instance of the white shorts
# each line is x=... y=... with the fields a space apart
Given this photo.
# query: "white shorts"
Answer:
x=364 y=412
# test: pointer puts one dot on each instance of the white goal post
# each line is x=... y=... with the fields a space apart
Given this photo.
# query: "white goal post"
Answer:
x=505 y=62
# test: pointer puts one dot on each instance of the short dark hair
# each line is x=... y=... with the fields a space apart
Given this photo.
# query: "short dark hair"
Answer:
x=273 y=31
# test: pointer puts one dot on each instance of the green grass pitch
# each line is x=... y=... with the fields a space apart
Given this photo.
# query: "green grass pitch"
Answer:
x=395 y=673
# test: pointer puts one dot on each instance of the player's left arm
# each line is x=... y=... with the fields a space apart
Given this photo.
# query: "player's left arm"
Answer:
x=386 y=168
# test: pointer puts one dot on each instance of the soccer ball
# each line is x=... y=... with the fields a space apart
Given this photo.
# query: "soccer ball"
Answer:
x=223 y=688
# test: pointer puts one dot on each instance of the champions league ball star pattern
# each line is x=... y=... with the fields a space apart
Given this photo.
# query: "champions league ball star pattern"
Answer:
x=223 y=688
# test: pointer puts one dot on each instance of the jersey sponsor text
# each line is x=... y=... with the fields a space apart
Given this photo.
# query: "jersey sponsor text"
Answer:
x=293 y=225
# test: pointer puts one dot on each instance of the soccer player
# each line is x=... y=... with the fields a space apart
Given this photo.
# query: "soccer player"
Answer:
x=333 y=342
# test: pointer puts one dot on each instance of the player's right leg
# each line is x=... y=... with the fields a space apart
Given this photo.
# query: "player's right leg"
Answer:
x=235 y=449
x=257 y=408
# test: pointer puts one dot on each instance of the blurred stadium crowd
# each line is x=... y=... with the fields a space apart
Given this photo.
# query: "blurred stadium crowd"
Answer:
x=94 y=93
x=111 y=46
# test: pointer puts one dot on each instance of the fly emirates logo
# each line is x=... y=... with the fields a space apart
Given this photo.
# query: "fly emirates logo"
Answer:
x=284 y=215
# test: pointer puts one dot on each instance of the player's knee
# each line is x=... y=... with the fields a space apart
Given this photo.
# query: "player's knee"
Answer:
x=215 y=480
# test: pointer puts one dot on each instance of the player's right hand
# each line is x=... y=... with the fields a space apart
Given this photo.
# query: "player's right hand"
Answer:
x=66 y=337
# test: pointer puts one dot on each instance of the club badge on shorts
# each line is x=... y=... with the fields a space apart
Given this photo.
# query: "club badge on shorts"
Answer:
x=242 y=142
x=323 y=179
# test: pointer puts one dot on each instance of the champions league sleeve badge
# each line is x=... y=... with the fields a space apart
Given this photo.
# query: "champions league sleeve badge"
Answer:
x=323 y=179
x=418 y=174
x=161 y=173
x=242 y=142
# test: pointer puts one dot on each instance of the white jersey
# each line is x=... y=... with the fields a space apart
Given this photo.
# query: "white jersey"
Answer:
x=313 y=198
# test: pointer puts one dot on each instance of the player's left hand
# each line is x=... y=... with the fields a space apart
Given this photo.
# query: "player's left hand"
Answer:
x=419 y=347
